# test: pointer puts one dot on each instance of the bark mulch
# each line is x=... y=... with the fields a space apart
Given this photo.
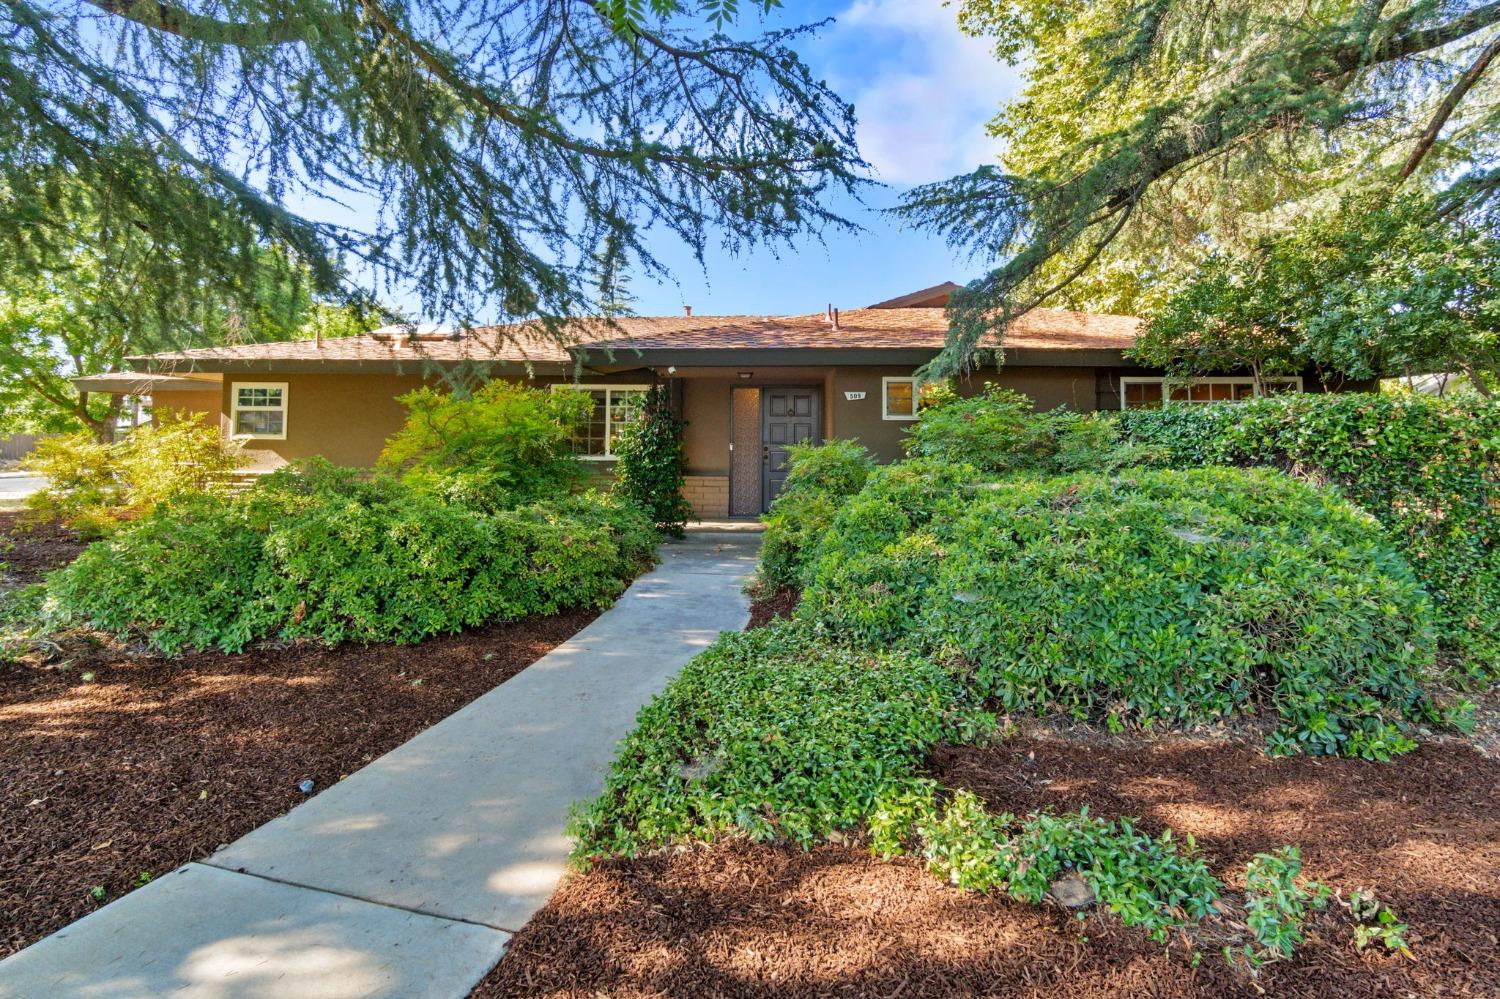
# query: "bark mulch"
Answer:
x=761 y=921
x=767 y=608
x=27 y=553
x=153 y=762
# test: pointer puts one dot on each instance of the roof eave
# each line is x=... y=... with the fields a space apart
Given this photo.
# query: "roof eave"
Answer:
x=301 y=366
x=656 y=357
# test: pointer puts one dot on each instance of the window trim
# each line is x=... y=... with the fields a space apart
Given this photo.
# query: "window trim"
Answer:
x=235 y=408
x=607 y=388
x=1294 y=380
x=885 y=407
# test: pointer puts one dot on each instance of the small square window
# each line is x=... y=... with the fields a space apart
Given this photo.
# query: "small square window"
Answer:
x=615 y=406
x=899 y=398
x=259 y=410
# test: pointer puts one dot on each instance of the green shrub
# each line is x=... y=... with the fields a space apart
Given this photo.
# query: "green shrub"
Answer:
x=316 y=551
x=1181 y=436
x=1427 y=468
x=997 y=431
x=179 y=454
x=82 y=490
x=393 y=564
x=772 y=734
x=634 y=534
x=1155 y=596
x=1156 y=883
x=504 y=445
x=91 y=484
x=820 y=478
x=651 y=469
x=1277 y=903
x=190 y=574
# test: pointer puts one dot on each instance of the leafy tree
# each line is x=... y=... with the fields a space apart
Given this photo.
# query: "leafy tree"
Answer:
x=93 y=304
x=1152 y=133
x=89 y=313
x=514 y=152
x=1368 y=290
x=1230 y=315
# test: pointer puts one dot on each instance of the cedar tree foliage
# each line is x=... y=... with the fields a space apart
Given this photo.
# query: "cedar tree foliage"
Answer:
x=517 y=151
x=1154 y=132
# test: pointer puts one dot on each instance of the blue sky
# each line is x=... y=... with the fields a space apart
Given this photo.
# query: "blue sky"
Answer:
x=923 y=93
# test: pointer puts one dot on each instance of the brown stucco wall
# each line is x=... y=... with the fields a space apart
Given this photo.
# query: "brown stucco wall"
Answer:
x=705 y=407
x=208 y=402
x=347 y=418
x=863 y=421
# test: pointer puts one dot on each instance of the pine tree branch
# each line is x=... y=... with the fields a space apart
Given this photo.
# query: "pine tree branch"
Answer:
x=534 y=124
x=1121 y=180
x=172 y=19
x=1445 y=110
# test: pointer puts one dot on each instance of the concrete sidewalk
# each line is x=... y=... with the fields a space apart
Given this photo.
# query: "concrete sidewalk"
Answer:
x=407 y=879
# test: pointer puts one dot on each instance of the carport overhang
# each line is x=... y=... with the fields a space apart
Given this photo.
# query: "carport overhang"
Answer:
x=141 y=383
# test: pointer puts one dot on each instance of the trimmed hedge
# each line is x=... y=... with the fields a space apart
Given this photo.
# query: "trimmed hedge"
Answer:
x=318 y=552
x=1427 y=468
x=1154 y=596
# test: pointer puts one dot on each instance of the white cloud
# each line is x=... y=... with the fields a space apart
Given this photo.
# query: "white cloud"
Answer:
x=923 y=90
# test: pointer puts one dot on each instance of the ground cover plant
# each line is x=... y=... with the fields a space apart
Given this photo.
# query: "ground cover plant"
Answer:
x=755 y=920
x=777 y=735
x=325 y=553
x=772 y=734
x=1147 y=597
x=1427 y=468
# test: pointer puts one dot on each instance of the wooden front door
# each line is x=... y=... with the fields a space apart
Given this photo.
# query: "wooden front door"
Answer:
x=788 y=416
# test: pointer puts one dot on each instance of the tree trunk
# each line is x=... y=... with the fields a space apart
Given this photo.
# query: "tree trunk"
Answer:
x=103 y=429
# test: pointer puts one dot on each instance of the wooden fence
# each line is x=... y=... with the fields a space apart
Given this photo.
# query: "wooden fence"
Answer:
x=17 y=446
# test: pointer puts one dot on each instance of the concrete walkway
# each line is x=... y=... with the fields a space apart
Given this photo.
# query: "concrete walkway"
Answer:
x=407 y=879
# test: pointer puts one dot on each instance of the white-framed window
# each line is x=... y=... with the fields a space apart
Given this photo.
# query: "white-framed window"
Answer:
x=898 y=398
x=614 y=407
x=1149 y=393
x=258 y=410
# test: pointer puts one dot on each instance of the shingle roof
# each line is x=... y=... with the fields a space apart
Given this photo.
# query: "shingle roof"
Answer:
x=1040 y=329
x=869 y=329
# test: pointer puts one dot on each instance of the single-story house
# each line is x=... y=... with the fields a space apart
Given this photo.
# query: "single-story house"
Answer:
x=746 y=385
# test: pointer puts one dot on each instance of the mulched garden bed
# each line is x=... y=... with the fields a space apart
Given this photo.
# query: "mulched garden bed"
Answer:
x=766 y=608
x=119 y=765
x=761 y=921
x=28 y=553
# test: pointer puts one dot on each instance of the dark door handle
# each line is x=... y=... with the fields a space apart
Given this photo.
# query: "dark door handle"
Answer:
x=765 y=453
